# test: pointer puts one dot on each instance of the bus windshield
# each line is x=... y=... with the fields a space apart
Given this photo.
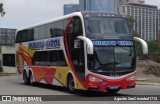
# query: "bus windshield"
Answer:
x=112 y=59
x=107 y=28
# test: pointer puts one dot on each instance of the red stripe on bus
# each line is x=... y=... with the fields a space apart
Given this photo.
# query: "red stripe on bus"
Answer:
x=68 y=54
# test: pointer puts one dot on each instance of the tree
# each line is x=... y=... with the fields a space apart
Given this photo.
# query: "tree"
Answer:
x=153 y=46
x=137 y=44
x=131 y=21
x=2 y=12
x=154 y=50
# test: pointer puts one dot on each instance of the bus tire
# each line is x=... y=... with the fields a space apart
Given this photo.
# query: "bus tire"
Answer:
x=25 y=78
x=31 y=78
x=71 y=84
x=112 y=92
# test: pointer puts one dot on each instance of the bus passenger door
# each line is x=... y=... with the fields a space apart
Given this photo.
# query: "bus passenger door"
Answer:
x=76 y=47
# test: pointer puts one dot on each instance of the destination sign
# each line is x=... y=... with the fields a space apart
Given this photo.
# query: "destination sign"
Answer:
x=112 y=43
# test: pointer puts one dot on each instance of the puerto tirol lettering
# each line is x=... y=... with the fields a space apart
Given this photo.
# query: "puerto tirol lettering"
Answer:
x=54 y=43
x=104 y=42
x=112 y=43
x=36 y=45
x=125 y=43
x=49 y=44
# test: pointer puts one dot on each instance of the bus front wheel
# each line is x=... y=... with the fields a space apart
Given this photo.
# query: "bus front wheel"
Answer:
x=71 y=85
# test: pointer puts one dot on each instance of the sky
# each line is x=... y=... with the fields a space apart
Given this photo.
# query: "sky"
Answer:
x=22 y=13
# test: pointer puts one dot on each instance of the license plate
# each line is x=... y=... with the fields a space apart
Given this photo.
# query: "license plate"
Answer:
x=114 y=87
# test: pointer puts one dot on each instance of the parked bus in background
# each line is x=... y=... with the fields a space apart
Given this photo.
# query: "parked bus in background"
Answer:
x=82 y=50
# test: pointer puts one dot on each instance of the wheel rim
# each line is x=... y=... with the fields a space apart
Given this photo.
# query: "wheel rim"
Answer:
x=71 y=84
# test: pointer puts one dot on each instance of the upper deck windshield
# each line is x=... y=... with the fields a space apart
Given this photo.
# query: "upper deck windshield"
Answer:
x=107 y=28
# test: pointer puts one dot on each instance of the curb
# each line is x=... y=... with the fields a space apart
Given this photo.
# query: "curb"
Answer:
x=7 y=75
x=152 y=84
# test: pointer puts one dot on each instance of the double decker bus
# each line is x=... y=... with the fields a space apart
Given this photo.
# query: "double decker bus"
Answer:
x=82 y=50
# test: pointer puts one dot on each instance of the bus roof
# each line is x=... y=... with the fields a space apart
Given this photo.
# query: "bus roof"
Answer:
x=51 y=20
x=99 y=14
x=81 y=14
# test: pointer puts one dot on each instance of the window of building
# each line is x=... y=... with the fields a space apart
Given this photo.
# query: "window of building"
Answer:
x=9 y=60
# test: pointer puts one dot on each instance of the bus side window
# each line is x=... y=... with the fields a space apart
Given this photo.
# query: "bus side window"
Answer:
x=53 y=32
x=61 y=58
x=19 y=37
x=51 y=58
x=70 y=30
x=65 y=22
x=40 y=58
x=24 y=35
x=30 y=35
x=56 y=58
x=59 y=28
x=35 y=58
x=78 y=26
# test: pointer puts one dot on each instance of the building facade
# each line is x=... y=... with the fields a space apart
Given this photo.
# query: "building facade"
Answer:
x=8 y=59
x=97 y=5
x=70 y=8
x=7 y=36
x=119 y=3
x=105 y=5
x=122 y=2
x=7 y=50
x=146 y=19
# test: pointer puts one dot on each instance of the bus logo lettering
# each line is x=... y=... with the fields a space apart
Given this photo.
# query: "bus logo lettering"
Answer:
x=36 y=45
x=54 y=43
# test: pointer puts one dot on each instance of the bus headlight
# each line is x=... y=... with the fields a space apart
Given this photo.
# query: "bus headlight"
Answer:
x=94 y=79
x=131 y=78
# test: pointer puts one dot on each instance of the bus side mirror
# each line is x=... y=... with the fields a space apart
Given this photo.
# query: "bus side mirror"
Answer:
x=88 y=42
x=144 y=44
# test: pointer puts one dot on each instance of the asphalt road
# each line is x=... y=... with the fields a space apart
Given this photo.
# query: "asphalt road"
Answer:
x=15 y=86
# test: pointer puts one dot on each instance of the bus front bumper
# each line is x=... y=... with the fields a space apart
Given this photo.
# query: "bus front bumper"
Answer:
x=94 y=82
